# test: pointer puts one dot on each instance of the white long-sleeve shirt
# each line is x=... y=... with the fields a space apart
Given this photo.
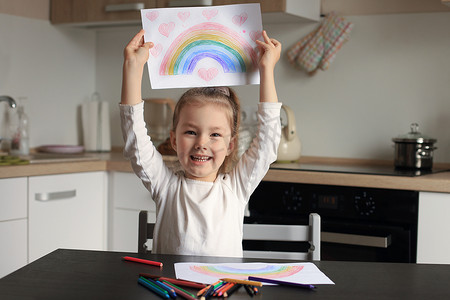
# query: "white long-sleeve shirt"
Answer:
x=197 y=217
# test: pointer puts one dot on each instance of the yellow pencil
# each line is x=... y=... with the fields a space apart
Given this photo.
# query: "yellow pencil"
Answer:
x=241 y=281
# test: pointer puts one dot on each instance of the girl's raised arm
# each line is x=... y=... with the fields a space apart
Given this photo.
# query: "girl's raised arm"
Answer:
x=136 y=54
x=270 y=51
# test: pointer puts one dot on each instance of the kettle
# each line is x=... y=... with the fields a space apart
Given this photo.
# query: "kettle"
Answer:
x=289 y=149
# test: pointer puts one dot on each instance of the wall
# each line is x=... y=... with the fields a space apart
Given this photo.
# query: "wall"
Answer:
x=392 y=72
x=54 y=67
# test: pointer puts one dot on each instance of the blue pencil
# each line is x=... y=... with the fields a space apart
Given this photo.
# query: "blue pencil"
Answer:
x=170 y=290
x=300 y=285
x=153 y=288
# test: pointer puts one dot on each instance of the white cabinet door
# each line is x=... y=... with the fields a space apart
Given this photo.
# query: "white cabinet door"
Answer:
x=433 y=238
x=128 y=196
x=13 y=224
x=67 y=211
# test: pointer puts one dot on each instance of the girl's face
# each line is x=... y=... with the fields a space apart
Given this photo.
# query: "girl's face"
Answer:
x=202 y=140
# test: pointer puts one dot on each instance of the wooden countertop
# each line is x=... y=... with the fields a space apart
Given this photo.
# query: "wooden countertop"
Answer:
x=114 y=161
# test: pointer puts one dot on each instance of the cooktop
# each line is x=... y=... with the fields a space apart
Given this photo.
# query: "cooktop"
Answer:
x=357 y=169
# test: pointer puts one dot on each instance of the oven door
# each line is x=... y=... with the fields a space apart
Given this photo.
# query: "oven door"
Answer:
x=366 y=242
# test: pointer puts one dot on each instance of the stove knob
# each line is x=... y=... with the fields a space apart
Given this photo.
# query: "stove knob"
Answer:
x=292 y=200
x=364 y=204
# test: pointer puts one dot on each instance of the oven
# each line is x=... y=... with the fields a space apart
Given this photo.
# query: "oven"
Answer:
x=358 y=224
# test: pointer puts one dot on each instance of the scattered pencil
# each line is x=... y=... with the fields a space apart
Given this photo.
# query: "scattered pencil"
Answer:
x=241 y=281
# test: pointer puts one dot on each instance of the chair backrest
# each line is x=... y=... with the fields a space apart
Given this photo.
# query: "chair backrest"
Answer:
x=292 y=233
x=145 y=231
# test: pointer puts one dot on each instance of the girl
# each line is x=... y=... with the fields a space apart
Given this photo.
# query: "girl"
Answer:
x=200 y=209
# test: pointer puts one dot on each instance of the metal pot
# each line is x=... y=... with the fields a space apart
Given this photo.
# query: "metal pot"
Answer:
x=414 y=150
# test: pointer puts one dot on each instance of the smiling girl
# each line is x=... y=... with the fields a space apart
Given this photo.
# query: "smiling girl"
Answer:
x=200 y=209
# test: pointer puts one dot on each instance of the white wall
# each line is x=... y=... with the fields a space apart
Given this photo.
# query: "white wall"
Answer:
x=395 y=70
x=54 y=67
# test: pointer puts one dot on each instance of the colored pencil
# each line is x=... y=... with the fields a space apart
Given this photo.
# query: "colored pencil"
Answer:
x=241 y=281
x=300 y=285
x=179 y=282
x=225 y=288
x=153 y=288
x=208 y=293
x=186 y=283
x=169 y=289
x=143 y=261
x=180 y=292
x=203 y=290
x=232 y=290
x=248 y=290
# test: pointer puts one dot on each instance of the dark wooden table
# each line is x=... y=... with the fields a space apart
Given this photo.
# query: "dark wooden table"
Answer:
x=80 y=274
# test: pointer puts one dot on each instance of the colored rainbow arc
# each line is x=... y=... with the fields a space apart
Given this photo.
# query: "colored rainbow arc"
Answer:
x=268 y=271
x=208 y=40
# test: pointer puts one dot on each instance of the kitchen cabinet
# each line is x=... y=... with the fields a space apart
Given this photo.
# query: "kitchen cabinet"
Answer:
x=66 y=211
x=116 y=12
x=13 y=224
x=433 y=242
x=98 y=11
x=128 y=196
x=371 y=7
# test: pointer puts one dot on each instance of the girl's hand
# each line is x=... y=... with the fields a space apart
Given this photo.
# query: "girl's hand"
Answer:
x=269 y=52
x=137 y=51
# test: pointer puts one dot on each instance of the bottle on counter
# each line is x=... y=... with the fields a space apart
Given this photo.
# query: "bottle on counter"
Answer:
x=20 y=140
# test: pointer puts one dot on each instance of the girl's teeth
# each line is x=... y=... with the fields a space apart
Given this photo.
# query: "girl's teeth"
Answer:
x=199 y=158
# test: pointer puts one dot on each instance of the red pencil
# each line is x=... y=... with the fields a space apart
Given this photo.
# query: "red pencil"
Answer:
x=143 y=261
x=187 y=283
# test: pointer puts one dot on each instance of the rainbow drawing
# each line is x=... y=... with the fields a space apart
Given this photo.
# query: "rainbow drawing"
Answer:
x=267 y=271
x=208 y=40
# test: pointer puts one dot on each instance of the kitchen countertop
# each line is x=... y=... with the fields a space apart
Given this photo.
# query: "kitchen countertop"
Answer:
x=114 y=161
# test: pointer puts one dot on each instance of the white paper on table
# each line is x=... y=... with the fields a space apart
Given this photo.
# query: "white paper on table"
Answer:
x=304 y=273
x=203 y=46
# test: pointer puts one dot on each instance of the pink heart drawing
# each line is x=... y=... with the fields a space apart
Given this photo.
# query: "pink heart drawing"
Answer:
x=152 y=15
x=166 y=29
x=183 y=15
x=254 y=35
x=208 y=74
x=156 y=50
x=209 y=13
x=240 y=19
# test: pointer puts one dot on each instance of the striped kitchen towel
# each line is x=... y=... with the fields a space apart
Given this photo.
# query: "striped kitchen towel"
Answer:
x=318 y=49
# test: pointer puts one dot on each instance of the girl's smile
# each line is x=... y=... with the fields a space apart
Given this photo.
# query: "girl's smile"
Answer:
x=202 y=140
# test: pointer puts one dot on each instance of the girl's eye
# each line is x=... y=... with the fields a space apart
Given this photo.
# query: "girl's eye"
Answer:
x=190 y=132
x=216 y=135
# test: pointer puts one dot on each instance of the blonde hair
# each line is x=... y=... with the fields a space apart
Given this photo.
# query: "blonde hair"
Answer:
x=223 y=97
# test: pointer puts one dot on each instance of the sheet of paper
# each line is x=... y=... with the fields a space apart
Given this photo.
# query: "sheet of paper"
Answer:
x=203 y=46
x=305 y=273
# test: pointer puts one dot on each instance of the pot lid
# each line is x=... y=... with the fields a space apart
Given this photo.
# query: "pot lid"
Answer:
x=414 y=136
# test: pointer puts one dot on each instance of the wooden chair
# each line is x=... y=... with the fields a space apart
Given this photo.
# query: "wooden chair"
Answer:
x=293 y=233
x=145 y=231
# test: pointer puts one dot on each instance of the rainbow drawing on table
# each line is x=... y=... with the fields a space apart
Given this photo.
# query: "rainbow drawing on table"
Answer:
x=208 y=40
x=267 y=271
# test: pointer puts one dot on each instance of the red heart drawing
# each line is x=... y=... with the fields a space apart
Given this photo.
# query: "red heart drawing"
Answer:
x=166 y=29
x=152 y=15
x=240 y=19
x=156 y=50
x=254 y=35
x=208 y=74
x=183 y=15
x=209 y=13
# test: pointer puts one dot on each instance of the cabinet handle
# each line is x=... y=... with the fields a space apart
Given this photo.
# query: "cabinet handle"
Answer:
x=181 y=3
x=55 y=195
x=356 y=239
x=124 y=7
